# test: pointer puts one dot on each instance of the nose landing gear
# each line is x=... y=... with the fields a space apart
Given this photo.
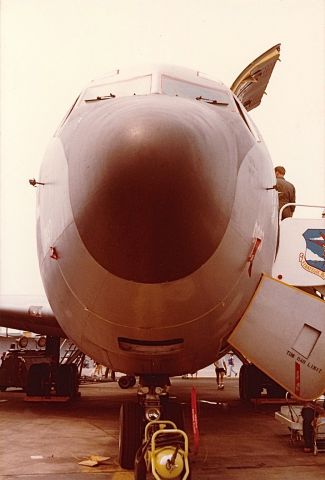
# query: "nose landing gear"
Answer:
x=164 y=450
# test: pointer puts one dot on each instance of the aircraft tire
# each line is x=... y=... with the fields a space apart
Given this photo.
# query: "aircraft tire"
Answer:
x=242 y=382
x=126 y=381
x=249 y=382
x=67 y=380
x=174 y=412
x=190 y=471
x=276 y=391
x=140 y=469
x=131 y=431
x=133 y=380
x=39 y=380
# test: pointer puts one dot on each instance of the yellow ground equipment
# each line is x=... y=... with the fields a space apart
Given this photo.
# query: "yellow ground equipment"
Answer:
x=164 y=452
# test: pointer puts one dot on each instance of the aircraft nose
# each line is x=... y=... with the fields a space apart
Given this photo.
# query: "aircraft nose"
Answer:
x=152 y=185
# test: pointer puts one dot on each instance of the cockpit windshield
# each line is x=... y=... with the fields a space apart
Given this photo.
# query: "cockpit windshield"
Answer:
x=161 y=83
x=174 y=87
x=124 y=88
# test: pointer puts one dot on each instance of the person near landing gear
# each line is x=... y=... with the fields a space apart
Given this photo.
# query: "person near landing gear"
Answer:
x=112 y=374
x=220 y=368
x=231 y=364
x=309 y=413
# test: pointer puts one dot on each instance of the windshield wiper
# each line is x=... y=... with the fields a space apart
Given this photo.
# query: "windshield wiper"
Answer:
x=212 y=102
x=104 y=97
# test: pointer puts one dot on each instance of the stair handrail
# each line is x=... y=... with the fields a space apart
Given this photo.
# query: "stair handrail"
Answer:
x=300 y=205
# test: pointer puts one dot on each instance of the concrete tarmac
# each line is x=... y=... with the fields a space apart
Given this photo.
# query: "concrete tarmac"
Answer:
x=237 y=441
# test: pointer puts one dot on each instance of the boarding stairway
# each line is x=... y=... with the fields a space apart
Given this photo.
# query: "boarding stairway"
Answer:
x=70 y=353
x=282 y=331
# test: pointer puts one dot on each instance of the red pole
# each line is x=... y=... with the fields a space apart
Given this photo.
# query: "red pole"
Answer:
x=195 y=424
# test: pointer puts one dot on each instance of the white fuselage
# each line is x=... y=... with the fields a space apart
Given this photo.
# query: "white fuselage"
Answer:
x=134 y=313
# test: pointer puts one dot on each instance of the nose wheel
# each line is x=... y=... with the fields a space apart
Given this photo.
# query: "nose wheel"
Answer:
x=131 y=433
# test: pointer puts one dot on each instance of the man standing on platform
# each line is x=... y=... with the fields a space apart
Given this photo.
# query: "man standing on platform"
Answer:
x=287 y=192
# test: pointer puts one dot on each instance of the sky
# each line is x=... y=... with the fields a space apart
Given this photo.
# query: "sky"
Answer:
x=50 y=49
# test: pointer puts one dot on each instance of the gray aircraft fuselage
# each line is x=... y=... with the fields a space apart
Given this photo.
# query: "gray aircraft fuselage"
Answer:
x=153 y=200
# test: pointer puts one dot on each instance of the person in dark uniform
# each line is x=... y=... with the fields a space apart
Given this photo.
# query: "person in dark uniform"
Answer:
x=286 y=191
x=309 y=414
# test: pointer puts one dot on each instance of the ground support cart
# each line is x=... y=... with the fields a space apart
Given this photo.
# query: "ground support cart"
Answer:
x=290 y=415
x=164 y=452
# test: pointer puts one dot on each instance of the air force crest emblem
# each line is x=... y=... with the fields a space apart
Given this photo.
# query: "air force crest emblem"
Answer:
x=313 y=260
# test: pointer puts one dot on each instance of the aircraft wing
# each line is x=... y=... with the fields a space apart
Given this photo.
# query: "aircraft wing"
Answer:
x=29 y=313
x=250 y=85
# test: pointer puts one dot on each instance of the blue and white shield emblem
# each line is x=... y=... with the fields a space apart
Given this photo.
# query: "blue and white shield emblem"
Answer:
x=313 y=259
